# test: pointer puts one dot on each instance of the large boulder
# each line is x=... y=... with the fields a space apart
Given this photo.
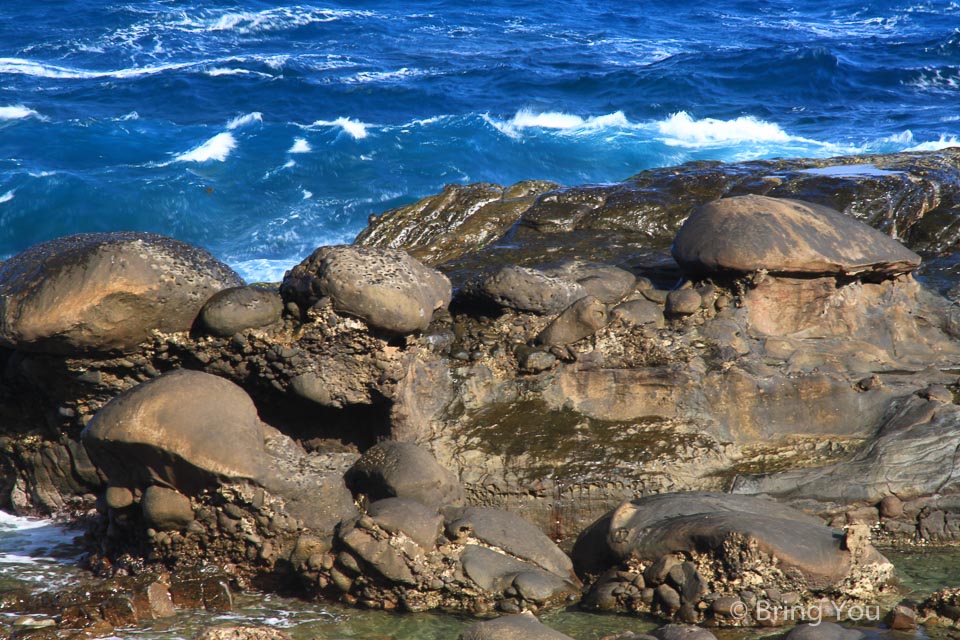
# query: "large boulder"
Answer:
x=387 y=288
x=185 y=429
x=103 y=292
x=752 y=233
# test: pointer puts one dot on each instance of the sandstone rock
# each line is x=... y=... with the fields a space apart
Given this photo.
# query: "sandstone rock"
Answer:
x=753 y=233
x=404 y=470
x=825 y=630
x=165 y=509
x=185 y=429
x=525 y=289
x=608 y=284
x=581 y=319
x=387 y=288
x=523 y=626
x=890 y=507
x=639 y=312
x=103 y=292
x=236 y=309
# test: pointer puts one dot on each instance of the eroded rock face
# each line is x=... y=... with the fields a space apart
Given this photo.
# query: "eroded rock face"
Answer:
x=672 y=550
x=185 y=429
x=386 y=288
x=752 y=233
x=103 y=292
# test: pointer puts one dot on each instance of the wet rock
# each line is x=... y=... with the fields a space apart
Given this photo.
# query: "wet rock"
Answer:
x=185 y=429
x=902 y=618
x=165 y=509
x=823 y=630
x=523 y=626
x=387 y=288
x=104 y=292
x=237 y=309
x=753 y=233
x=404 y=470
x=581 y=319
x=525 y=289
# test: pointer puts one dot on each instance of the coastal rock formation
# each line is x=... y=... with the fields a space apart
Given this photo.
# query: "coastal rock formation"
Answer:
x=102 y=292
x=752 y=233
x=404 y=554
x=697 y=557
x=386 y=288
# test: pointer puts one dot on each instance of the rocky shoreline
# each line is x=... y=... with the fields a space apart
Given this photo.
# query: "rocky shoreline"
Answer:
x=710 y=385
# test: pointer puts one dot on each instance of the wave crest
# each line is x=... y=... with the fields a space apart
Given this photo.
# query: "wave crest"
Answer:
x=216 y=148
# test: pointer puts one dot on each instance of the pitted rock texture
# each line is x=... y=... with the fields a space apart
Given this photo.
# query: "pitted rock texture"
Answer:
x=753 y=233
x=103 y=292
x=185 y=429
x=387 y=288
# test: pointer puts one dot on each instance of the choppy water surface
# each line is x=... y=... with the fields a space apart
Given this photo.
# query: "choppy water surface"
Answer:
x=261 y=130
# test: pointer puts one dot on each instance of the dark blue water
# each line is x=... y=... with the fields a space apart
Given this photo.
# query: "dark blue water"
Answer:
x=260 y=130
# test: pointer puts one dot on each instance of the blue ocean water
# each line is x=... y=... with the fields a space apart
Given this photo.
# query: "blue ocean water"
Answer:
x=261 y=130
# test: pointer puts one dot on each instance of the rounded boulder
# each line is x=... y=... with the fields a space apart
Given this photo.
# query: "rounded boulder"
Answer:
x=236 y=309
x=752 y=233
x=104 y=292
x=386 y=288
x=185 y=429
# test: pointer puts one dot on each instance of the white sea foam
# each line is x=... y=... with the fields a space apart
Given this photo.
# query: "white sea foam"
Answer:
x=264 y=269
x=275 y=19
x=935 y=145
x=300 y=145
x=242 y=121
x=356 y=129
x=22 y=66
x=8 y=196
x=681 y=129
x=17 y=112
x=557 y=121
x=28 y=541
x=307 y=194
x=385 y=76
x=216 y=148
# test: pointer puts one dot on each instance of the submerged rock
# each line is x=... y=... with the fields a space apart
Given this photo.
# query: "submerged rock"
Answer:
x=523 y=626
x=101 y=292
x=752 y=233
x=386 y=288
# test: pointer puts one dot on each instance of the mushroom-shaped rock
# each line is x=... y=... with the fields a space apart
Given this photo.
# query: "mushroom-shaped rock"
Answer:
x=671 y=541
x=239 y=308
x=404 y=470
x=523 y=626
x=104 y=292
x=387 y=288
x=185 y=429
x=753 y=233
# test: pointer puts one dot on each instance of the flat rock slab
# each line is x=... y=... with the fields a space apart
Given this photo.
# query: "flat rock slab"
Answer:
x=103 y=292
x=749 y=233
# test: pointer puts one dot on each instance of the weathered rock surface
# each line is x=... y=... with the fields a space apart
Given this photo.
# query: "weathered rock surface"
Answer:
x=824 y=630
x=239 y=308
x=404 y=470
x=386 y=288
x=693 y=550
x=752 y=233
x=103 y=292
